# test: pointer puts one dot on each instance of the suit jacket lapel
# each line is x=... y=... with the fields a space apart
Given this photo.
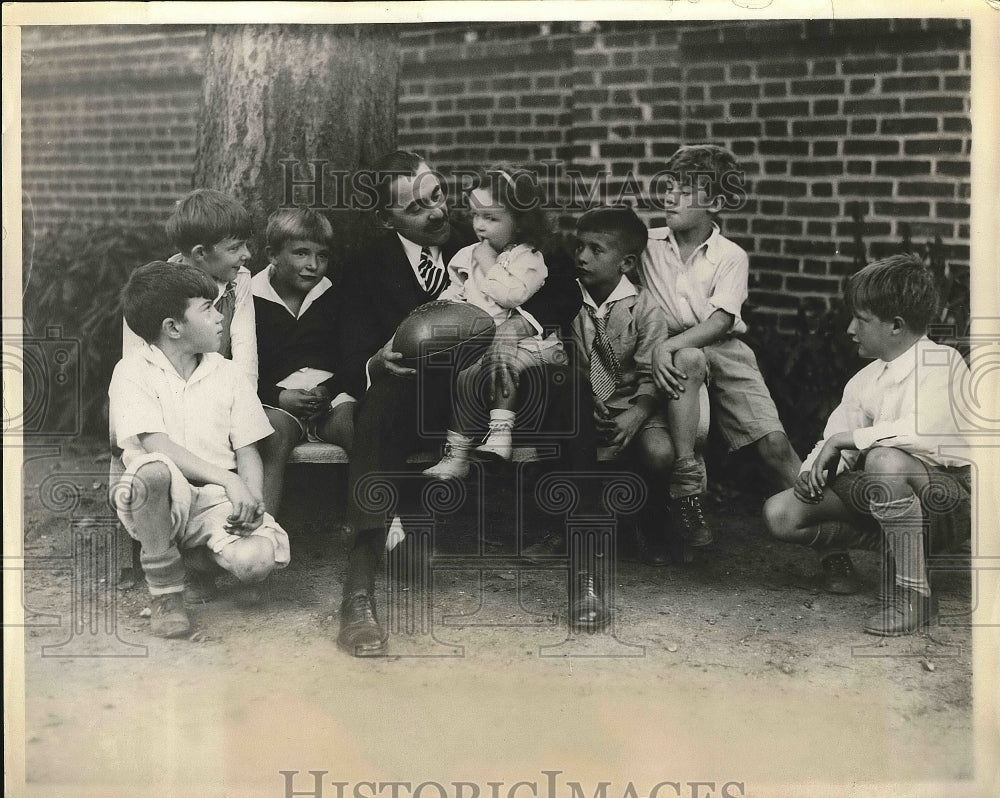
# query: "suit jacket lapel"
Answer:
x=619 y=318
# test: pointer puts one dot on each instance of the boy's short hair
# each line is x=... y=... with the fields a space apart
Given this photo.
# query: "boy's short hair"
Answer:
x=712 y=167
x=619 y=221
x=206 y=217
x=287 y=224
x=159 y=291
x=900 y=285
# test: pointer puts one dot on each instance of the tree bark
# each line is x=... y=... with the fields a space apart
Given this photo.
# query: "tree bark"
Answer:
x=296 y=93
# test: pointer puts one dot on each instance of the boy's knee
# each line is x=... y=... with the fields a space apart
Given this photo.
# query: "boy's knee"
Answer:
x=250 y=559
x=286 y=432
x=657 y=454
x=778 y=516
x=692 y=362
x=886 y=461
x=152 y=480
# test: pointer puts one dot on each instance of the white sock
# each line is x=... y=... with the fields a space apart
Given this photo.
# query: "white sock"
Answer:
x=504 y=416
x=459 y=444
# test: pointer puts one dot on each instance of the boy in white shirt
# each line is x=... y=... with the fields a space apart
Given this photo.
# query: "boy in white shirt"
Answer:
x=887 y=463
x=187 y=421
x=210 y=230
x=699 y=277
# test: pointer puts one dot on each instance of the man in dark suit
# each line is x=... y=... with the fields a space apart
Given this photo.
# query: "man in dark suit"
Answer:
x=402 y=268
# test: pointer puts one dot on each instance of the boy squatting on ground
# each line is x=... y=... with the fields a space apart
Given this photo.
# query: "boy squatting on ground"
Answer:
x=888 y=447
x=296 y=316
x=210 y=230
x=615 y=334
x=699 y=278
x=187 y=420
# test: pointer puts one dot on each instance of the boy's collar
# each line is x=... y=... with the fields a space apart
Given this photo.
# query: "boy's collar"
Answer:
x=207 y=362
x=711 y=244
x=260 y=286
x=901 y=366
x=623 y=290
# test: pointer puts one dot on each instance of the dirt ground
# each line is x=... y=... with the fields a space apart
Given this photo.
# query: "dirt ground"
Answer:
x=736 y=669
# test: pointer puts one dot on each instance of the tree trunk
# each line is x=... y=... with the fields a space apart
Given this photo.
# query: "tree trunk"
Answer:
x=295 y=93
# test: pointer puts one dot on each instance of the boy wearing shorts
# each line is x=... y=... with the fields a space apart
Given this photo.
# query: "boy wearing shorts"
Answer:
x=296 y=314
x=698 y=277
x=615 y=334
x=888 y=461
x=187 y=421
x=210 y=230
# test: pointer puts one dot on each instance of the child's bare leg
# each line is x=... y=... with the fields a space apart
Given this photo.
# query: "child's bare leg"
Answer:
x=275 y=450
x=779 y=458
x=792 y=520
x=499 y=440
x=338 y=427
x=464 y=403
x=654 y=451
x=684 y=412
x=160 y=558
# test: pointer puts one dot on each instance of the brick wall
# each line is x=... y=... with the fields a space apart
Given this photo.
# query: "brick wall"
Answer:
x=108 y=119
x=827 y=118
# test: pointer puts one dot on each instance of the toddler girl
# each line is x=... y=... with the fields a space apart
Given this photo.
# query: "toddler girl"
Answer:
x=498 y=274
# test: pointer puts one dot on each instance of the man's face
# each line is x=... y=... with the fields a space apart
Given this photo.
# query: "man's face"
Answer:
x=418 y=212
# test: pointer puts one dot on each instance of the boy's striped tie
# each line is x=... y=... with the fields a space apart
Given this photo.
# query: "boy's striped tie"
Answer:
x=226 y=305
x=605 y=370
x=433 y=276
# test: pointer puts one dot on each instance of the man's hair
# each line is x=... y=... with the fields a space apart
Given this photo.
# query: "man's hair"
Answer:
x=619 y=221
x=206 y=217
x=287 y=224
x=900 y=285
x=390 y=167
x=709 y=166
x=159 y=291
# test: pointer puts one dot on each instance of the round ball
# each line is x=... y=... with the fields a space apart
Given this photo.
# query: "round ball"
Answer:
x=456 y=330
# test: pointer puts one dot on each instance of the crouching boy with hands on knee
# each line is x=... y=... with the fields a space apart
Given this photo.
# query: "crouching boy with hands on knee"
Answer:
x=187 y=421
x=889 y=461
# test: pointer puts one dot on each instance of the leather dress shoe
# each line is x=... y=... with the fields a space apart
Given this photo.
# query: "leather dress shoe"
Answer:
x=588 y=611
x=360 y=633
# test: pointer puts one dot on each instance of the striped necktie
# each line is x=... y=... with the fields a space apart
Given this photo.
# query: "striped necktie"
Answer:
x=605 y=370
x=432 y=276
x=226 y=305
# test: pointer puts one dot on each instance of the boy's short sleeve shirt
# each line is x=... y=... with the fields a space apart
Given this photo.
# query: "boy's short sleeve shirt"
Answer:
x=212 y=414
x=715 y=277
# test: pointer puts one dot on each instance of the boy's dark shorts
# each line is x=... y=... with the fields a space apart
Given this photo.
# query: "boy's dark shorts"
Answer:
x=946 y=501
